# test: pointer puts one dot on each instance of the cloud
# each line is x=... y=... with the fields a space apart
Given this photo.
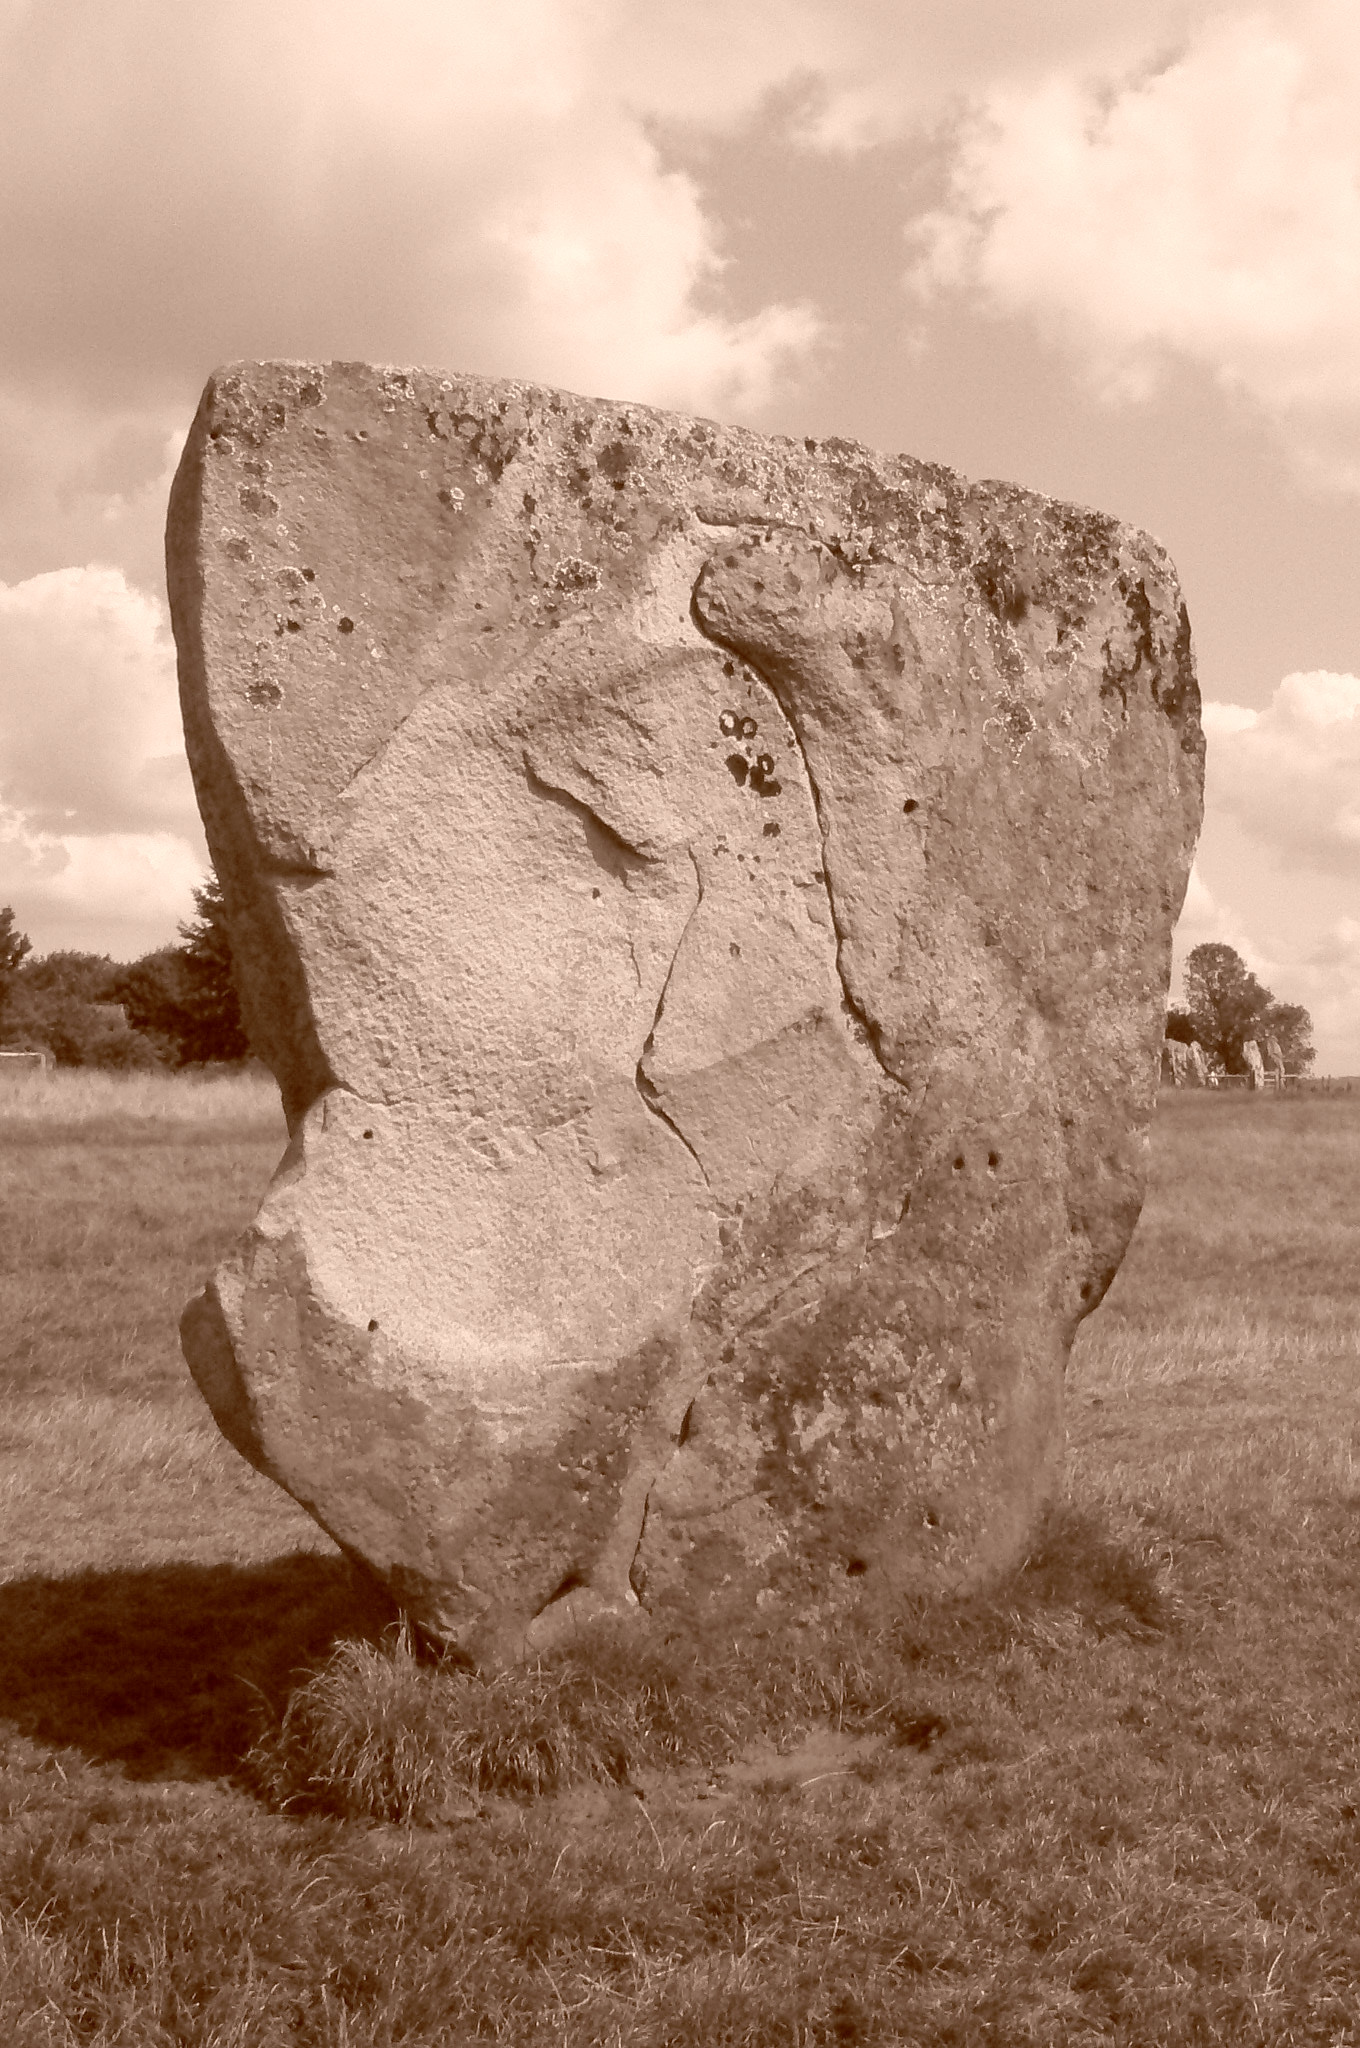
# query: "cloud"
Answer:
x=100 y=842
x=420 y=182
x=1289 y=775
x=1208 y=206
x=1280 y=855
x=1320 y=968
x=121 y=893
x=91 y=738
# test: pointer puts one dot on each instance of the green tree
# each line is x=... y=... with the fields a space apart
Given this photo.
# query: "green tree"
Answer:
x=184 y=997
x=1291 y=1024
x=1228 y=1005
x=14 y=948
x=66 y=1002
x=1180 y=1024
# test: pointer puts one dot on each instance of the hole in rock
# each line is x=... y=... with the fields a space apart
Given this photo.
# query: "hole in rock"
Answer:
x=910 y=805
x=771 y=829
x=994 y=1160
x=368 y=1134
x=958 y=1164
x=931 y=1519
x=372 y=1324
x=685 y=1420
x=1086 y=1290
x=738 y=767
x=346 y=625
x=855 y=1568
x=309 y=575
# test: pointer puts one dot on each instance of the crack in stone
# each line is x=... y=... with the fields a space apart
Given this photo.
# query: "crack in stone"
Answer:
x=618 y=856
x=646 y=1087
x=868 y=1025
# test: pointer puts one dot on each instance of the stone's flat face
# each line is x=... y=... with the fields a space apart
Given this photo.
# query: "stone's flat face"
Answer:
x=707 y=900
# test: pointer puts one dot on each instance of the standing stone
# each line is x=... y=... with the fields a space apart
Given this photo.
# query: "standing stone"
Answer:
x=1197 y=1063
x=1274 y=1062
x=707 y=900
x=1256 y=1073
x=1175 y=1062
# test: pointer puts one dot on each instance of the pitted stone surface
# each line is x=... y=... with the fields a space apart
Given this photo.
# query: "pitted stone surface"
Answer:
x=707 y=900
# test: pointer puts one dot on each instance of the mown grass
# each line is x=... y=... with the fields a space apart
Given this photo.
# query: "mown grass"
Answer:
x=1115 y=1801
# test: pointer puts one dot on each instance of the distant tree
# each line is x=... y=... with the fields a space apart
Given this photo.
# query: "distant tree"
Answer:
x=1291 y=1024
x=183 y=997
x=79 y=977
x=1226 y=1002
x=14 y=948
x=65 y=1002
x=1180 y=1024
x=1228 y=1005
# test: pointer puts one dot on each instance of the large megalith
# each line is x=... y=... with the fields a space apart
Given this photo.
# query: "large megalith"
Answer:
x=707 y=900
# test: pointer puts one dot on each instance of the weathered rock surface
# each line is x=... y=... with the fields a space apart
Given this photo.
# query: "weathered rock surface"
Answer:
x=707 y=900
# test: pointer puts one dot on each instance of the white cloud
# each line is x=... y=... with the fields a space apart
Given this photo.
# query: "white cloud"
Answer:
x=1208 y=205
x=1279 y=860
x=461 y=185
x=1322 y=973
x=1205 y=917
x=90 y=740
x=100 y=844
x=1289 y=775
x=121 y=893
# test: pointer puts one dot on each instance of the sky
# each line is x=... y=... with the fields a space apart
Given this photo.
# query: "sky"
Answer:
x=1110 y=253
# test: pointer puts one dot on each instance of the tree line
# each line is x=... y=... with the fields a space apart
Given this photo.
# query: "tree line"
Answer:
x=1224 y=1005
x=175 y=1007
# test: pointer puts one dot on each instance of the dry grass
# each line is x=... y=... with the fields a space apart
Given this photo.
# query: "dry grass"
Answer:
x=1118 y=1801
x=89 y=1095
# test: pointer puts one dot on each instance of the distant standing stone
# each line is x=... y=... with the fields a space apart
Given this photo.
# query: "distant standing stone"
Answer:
x=1256 y=1073
x=707 y=900
x=1177 y=1060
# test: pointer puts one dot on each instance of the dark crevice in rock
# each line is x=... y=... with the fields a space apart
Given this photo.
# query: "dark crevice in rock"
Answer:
x=607 y=847
x=646 y=1087
x=651 y=1101
x=298 y=877
x=570 y=1584
x=637 y=1578
x=869 y=1030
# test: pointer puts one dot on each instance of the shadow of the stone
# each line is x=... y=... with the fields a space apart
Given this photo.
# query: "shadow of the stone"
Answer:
x=172 y=1671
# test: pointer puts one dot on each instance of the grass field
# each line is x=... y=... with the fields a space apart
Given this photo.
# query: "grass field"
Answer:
x=1117 y=1801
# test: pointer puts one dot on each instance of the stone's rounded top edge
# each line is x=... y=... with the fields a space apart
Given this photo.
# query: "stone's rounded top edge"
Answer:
x=992 y=493
x=838 y=450
x=808 y=464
